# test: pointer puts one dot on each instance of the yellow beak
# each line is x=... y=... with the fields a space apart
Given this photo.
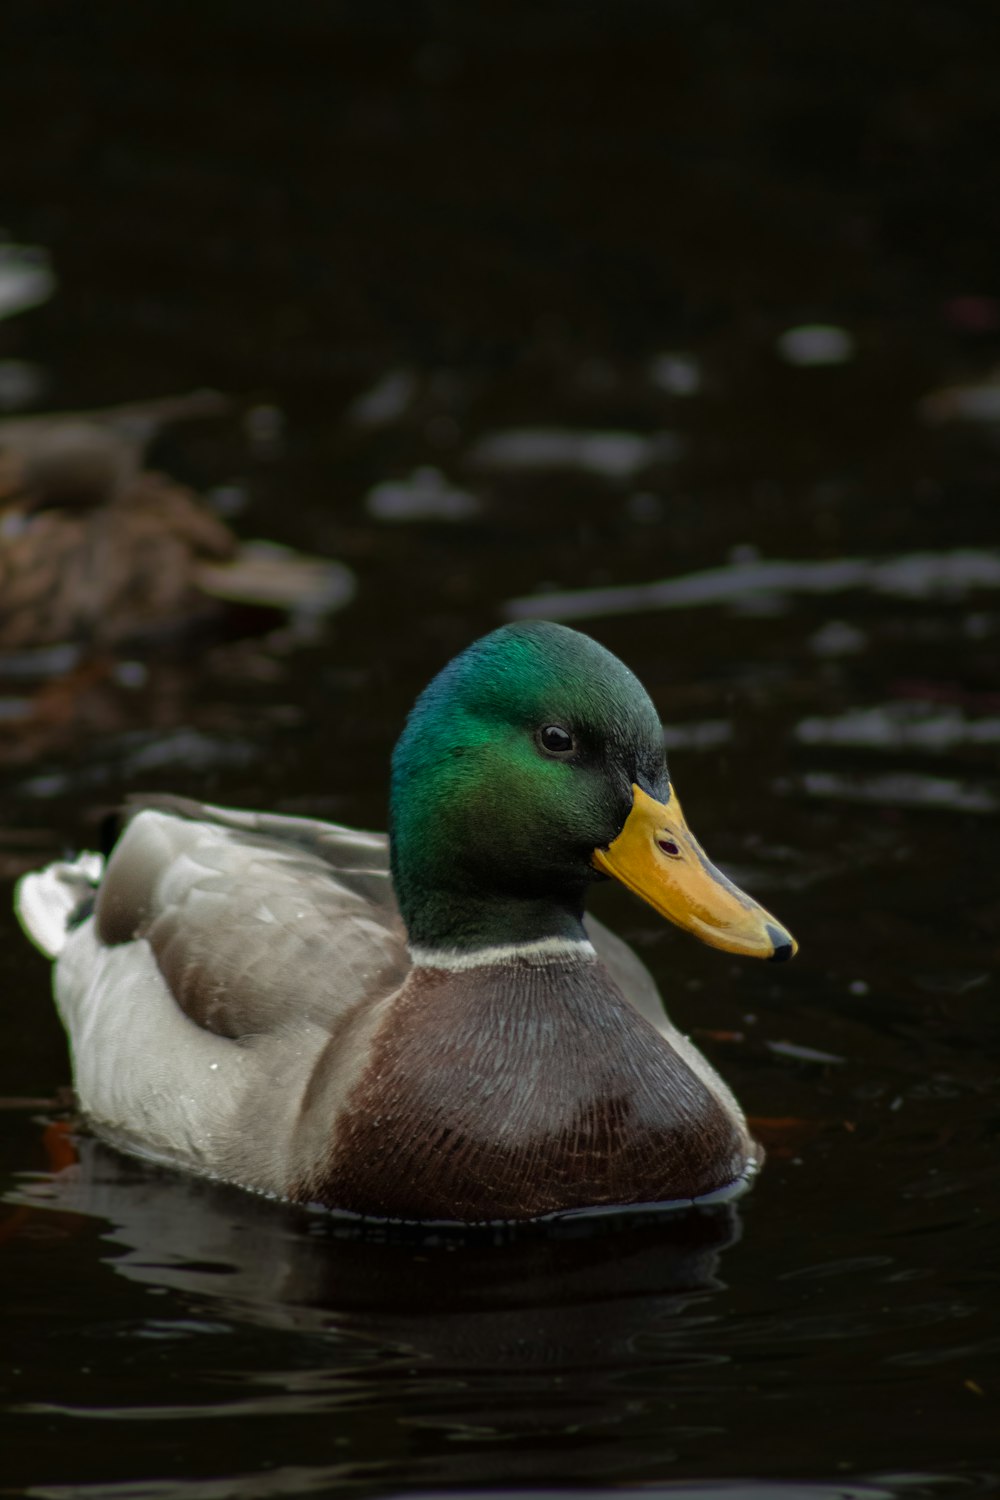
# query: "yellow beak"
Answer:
x=658 y=857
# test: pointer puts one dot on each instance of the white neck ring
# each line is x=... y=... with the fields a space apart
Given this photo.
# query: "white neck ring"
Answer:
x=544 y=951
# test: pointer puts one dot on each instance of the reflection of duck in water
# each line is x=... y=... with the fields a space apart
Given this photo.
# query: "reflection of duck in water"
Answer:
x=437 y=1356
x=96 y=550
x=242 y=1001
x=540 y=1294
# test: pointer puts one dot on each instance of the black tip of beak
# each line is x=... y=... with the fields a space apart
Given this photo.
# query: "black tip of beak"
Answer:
x=783 y=945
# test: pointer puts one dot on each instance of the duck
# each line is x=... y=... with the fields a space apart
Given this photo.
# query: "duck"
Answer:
x=100 y=552
x=423 y=1025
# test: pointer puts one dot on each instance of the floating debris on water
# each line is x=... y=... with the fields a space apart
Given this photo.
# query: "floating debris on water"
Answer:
x=274 y=576
x=899 y=789
x=425 y=495
x=803 y=1054
x=838 y=638
x=385 y=402
x=611 y=455
x=677 y=374
x=899 y=726
x=913 y=575
x=973 y=401
x=706 y=735
x=26 y=278
x=816 y=344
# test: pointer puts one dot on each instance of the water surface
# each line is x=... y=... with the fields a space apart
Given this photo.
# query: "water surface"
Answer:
x=679 y=327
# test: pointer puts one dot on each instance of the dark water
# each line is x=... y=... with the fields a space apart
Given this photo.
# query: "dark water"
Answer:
x=540 y=272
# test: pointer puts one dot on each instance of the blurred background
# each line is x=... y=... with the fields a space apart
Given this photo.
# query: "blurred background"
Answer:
x=677 y=322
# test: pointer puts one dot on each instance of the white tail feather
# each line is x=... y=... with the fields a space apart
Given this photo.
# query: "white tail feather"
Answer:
x=47 y=900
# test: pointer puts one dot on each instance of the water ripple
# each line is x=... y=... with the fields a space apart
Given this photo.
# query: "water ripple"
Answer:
x=912 y=575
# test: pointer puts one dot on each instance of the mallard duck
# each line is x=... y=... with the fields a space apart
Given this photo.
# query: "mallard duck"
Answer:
x=424 y=1026
x=97 y=550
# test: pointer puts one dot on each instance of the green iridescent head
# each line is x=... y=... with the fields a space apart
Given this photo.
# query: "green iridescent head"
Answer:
x=516 y=763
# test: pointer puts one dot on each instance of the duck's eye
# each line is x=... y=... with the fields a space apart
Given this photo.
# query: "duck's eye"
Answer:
x=555 y=740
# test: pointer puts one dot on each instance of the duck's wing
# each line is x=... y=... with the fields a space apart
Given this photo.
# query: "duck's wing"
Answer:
x=256 y=922
x=222 y=966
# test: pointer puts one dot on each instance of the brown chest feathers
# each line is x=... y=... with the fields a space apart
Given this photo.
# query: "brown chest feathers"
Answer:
x=513 y=1091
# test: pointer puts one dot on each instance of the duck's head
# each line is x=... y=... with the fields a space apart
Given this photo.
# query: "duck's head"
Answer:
x=532 y=766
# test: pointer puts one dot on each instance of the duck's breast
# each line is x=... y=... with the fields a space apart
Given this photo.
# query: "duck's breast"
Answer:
x=522 y=1089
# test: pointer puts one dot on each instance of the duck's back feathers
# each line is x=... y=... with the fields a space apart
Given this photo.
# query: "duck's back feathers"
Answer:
x=254 y=921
